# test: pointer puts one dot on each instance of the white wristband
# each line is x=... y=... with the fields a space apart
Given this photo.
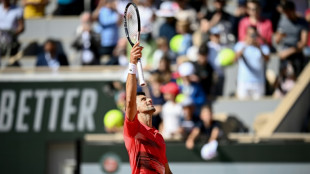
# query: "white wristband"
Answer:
x=132 y=68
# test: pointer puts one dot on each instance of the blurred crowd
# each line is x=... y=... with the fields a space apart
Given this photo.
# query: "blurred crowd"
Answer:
x=185 y=54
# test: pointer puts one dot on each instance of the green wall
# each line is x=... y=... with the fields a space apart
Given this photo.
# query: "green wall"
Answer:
x=26 y=127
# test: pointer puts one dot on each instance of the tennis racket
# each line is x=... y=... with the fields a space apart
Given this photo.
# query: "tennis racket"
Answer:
x=132 y=31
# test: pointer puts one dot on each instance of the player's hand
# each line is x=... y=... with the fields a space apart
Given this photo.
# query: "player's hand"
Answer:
x=135 y=53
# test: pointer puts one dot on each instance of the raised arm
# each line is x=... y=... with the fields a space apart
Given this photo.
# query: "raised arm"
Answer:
x=131 y=83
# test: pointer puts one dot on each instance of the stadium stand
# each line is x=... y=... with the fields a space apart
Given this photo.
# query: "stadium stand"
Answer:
x=272 y=132
x=288 y=120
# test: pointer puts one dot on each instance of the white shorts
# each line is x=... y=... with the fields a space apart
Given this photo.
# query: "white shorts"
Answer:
x=250 y=90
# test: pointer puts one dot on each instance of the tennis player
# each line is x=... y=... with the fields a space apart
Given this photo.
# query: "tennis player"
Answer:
x=145 y=145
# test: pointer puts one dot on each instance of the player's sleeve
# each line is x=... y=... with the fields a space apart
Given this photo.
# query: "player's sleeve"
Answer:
x=131 y=128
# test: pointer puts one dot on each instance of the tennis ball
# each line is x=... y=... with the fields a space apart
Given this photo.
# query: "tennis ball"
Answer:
x=113 y=118
x=175 y=42
x=226 y=57
x=180 y=98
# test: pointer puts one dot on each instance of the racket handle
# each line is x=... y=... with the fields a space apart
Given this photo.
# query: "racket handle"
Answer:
x=140 y=73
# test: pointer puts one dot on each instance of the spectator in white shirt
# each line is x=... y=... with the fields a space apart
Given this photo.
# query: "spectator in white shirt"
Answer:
x=172 y=112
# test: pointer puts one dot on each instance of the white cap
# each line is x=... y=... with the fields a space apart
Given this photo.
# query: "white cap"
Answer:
x=168 y=9
x=186 y=69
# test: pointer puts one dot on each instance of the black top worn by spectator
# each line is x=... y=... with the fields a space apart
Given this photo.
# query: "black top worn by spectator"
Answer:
x=268 y=11
x=205 y=132
x=204 y=70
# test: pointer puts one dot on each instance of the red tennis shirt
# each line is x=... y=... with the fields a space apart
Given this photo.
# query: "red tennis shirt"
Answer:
x=146 y=148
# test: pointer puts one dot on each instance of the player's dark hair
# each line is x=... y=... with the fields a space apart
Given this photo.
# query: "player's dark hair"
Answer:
x=140 y=93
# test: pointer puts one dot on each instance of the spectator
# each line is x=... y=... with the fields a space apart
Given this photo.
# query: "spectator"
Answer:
x=269 y=10
x=172 y=112
x=162 y=50
x=109 y=20
x=221 y=19
x=215 y=46
x=52 y=56
x=264 y=26
x=204 y=70
x=285 y=81
x=191 y=88
x=168 y=10
x=207 y=128
x=200 y=6
x=11 y=26
x=239 y=14
x=188 y=123
x=34 y=8
x=119 y=95
x=187 y=13
x=147 y=18
x=192 y=52
x=183 y=29
x=164 y=70
x=251 y=57
x=292 y=34
x=86 y=41
x=120 y=52
x=157 y=97
x=86 y=21
x=69 y=7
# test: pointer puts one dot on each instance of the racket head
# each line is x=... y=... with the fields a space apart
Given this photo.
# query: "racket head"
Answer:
x=132 y=23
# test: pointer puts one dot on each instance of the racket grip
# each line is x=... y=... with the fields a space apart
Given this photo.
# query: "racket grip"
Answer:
x=140 y=73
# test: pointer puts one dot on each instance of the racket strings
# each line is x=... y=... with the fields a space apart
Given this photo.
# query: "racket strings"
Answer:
x=132 y=24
